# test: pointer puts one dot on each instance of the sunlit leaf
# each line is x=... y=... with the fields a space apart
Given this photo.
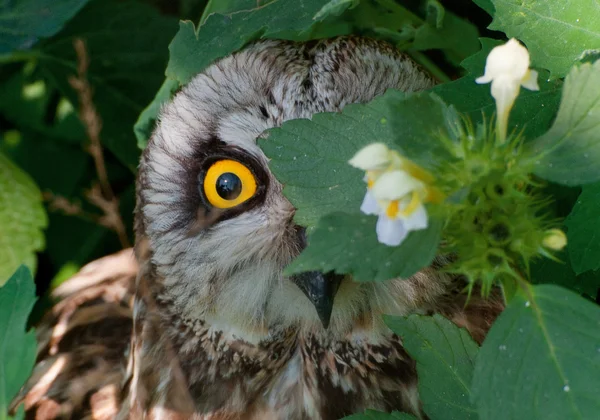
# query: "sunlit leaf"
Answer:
x=445 y=356
x=569 y=153
x=557 y=33
x=22 y=218
x=541 y=359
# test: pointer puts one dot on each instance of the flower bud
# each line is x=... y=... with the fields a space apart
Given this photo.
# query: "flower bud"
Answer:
x=554 y=239
x=375 y=156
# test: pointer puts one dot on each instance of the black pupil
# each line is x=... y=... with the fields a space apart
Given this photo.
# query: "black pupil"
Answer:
x=229 y=186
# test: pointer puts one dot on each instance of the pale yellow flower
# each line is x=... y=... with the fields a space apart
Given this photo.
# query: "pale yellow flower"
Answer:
x=507 y=68
x=555 y=239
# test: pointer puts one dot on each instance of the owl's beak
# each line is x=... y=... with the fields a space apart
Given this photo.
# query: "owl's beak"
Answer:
x=320 y=289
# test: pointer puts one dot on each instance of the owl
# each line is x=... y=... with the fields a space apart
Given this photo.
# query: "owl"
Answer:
x=201 y=323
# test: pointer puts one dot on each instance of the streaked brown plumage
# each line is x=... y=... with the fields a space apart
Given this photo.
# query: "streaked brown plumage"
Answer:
x=82 y=343
x=217 y=331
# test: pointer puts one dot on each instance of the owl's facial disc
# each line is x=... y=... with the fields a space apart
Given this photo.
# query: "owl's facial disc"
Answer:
x=213 y=219
x=225 y=184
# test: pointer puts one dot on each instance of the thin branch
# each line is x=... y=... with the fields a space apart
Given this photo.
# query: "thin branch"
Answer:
x=100 y=195
x=70 y=208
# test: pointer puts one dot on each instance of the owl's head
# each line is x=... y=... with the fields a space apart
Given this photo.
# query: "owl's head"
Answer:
x=218 y=229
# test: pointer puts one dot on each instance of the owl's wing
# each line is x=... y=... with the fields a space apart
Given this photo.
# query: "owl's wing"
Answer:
x=82 y=344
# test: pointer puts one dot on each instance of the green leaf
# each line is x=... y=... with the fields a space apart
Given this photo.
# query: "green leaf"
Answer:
x=347 y=243
x=22 y=218
x=20 y=414
x=147 y=119
x=189 y=9
x=17 y=348
x=335 y=8
x=439 y=29
x=445 y=356
x=486 y=5
x=127 y=47
x=192 y=51
x=418 y=122
x=584 y=230
x=226 y=7
x=24 y=22
x=225 y=28
x=569 y=153
x=378 y=415
x=557 y=33
x=389 y=17
x=561 y=273
x=541 y=359
x=455 y=36
x=310 y=157
x=532 y=113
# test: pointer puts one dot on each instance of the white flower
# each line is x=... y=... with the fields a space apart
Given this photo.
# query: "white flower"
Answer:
x=507 y=67
x=396 y=192
x=400 y=197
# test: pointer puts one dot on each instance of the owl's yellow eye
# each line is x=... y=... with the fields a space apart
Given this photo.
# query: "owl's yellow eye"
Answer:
x=228 y=183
